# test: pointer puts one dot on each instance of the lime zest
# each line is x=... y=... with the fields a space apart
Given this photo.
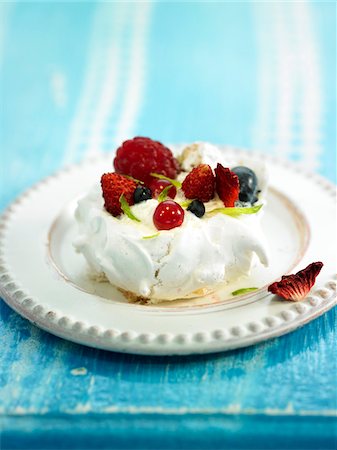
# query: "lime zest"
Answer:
x=164 y=193
x=151 y=236
x=175 y=183
x=244 y=290
x=186 y=203
x=236 y=211
x=126 y=208
x=129 y=177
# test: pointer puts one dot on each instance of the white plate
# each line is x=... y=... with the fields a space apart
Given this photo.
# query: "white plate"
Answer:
x=44 y=280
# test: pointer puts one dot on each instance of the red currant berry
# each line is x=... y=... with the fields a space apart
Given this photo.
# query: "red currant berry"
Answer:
x=168 y=215
x=157 y=186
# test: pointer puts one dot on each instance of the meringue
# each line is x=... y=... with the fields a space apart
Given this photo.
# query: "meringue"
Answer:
x=195 y=258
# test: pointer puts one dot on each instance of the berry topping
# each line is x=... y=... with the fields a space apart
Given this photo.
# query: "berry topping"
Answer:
x=197 y=208
x=199 y=183
x=140 y=156
x=168 y=215
x=227 y=185
x=113 y=186
x=141 y=194
x=296 y=287
x=248 y=184
x=157 y=186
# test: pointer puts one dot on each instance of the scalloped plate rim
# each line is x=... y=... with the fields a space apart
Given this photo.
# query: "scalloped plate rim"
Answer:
x=165 y=343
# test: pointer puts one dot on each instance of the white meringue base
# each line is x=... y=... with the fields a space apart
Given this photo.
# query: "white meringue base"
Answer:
x=197 y=257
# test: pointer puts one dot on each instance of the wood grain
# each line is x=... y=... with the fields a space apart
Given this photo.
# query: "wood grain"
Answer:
x=294 y=374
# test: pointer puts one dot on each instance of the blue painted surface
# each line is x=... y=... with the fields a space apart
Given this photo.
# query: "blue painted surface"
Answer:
x=224 y=72
x=173 y=108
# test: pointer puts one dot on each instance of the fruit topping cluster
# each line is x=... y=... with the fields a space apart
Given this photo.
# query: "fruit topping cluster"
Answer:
x=146 y=169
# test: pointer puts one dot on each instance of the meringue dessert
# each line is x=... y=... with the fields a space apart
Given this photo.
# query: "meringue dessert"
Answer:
x=162 y=228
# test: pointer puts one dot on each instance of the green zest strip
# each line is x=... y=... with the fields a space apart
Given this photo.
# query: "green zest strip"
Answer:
x=126 y=208
x=175 y=183
x=129 y=177
x=185 y=204
x=164 y=193
x=244 y=290
x=236 y=211
x=150 y=237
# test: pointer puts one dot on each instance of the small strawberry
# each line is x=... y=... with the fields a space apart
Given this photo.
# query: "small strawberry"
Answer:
x=227 y=185
x=113 y=186
x=296 y=287
x=199 y=183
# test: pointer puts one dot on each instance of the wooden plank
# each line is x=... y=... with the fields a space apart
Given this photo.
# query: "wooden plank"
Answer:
x=165 y=431
x=293 y=374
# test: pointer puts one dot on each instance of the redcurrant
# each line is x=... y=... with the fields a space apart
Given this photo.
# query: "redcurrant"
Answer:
x=157 y=186
x=168 y=215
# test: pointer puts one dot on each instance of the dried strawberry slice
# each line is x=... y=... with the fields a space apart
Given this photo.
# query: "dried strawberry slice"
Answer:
x=295 y=287
x=227 y=185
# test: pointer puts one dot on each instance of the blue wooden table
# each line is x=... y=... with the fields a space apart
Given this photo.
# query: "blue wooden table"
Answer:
x=78 y=78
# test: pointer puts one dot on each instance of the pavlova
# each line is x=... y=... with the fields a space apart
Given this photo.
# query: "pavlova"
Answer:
x=161 y=227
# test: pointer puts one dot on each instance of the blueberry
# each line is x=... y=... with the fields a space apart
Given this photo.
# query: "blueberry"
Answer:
x=197 y=208
x=141 y=193
x=248 y=184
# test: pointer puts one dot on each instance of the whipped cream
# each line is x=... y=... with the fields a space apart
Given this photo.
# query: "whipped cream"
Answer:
x=186 y=261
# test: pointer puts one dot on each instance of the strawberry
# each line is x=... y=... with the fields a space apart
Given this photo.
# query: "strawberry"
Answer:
x=296 y=287
x=199 y=183
x=227 y=185
x=113 y=186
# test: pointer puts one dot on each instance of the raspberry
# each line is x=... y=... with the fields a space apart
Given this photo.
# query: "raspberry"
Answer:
x=113 y=186
x=199 y=183
x=140 y=156
x=227 y=185
x=296 y=287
